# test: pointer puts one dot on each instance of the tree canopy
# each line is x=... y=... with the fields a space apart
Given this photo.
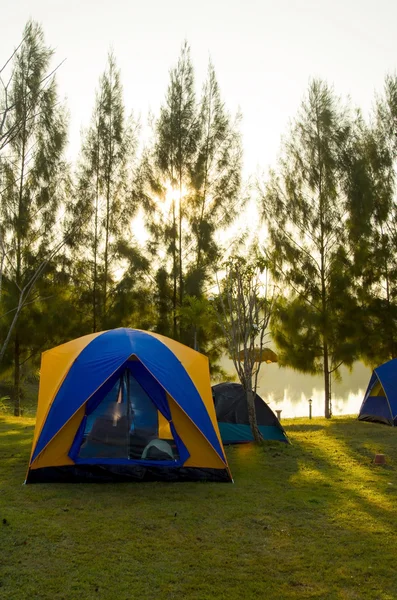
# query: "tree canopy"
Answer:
x=131 y=232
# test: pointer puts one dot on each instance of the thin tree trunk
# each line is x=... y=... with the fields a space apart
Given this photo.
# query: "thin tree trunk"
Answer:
x=95 y=304
x=3 y=254
x=322 y=208
x=108 y=216
x=174 y=272
x=18 y=279
x=327 y=408
x=17 y=391
x=95 y=287
x=174 y=266
x=205 y=184
x=327 y=411
x=94 y=291
x=251 y=406
x=180 y=251
x=389 y=319
x=180 y=201
x=252 y=416
x=106 y=266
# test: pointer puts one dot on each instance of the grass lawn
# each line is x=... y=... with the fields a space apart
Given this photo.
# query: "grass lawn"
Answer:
x=312 y=520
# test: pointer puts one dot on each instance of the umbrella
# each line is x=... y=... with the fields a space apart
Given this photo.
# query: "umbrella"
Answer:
x=266 y=355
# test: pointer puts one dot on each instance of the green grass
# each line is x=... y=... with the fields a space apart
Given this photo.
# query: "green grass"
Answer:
x=316 y=519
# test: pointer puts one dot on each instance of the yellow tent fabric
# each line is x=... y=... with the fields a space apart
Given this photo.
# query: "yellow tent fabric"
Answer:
x=55 y=364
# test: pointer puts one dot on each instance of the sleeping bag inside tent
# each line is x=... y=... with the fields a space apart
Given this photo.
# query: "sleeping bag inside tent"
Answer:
x=125 y=404
x=232 y=414
x=380 y=400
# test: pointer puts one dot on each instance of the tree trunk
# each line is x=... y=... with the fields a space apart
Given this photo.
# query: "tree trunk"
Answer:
x=95 y=303
x=327 y=410
x=18 y=277
x=180 y=192
x=3 y=255
x=94 y=293
x=389 y=317
x=180 y=253
x=108 y=224
x=252 y=416
x=199 y=240
x=174 y=271
x=17 y=393
x=106 y=261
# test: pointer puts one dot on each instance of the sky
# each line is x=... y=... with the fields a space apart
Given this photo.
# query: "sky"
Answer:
x=264 y=53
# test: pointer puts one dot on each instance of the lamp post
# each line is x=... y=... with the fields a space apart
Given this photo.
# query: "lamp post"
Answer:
x=310 y=408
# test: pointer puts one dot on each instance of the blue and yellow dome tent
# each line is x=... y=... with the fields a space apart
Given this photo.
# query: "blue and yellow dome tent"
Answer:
x=125 y=404
x=380 y=400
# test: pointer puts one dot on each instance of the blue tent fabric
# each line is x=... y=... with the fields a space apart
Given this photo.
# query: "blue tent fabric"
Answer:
x=383 y=408
x=376 y=406
x=232 y=433
x=387 y=375
x=103 y=359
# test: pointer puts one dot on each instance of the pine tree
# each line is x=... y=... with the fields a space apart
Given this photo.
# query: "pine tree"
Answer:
x=104 y=205
x=176 y=145
x=371 y=187
x=197 y=169
x=216 y=180
x=33 y=176
x=305 y=208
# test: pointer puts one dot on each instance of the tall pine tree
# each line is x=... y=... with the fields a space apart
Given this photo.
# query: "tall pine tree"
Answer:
x=177 y=135
x=305 y=208
x=216 y=181
x=105 y=203
x=371 y=186
x=33 y=176
x=197 y=171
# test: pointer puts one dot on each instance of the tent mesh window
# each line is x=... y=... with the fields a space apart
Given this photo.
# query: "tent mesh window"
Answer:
x=126 y=424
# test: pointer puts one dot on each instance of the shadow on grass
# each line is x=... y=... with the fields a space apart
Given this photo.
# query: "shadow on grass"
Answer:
x=302 y=427
x=366 y=439
x=331 y=510
x=336 y=459
x=302 y=521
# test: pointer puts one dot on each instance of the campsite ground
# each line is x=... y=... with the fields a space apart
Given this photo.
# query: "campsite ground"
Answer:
x=316 y=519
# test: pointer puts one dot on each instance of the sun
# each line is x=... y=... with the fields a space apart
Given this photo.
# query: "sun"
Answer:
x=173 y=197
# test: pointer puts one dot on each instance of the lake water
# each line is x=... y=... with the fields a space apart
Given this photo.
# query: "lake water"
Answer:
x=289 y=391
